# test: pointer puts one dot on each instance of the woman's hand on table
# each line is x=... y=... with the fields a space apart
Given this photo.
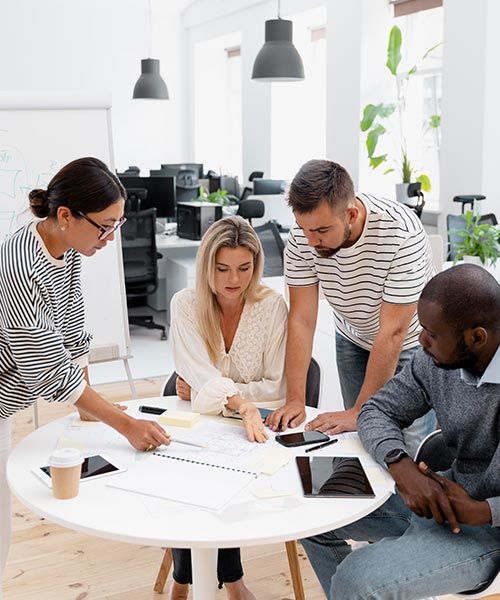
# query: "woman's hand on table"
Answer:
x=252 y=420
x=182 y=389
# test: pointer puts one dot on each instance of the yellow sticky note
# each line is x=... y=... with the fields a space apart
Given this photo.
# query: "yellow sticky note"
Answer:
x=63 y=442
x=179 y=418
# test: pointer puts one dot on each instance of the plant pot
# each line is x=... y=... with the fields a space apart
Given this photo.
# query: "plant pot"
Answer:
x=473 y=260
x=404 y=197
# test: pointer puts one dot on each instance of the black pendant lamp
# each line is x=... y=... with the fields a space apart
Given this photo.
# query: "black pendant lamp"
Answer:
x=278 y=59
x=150 y=84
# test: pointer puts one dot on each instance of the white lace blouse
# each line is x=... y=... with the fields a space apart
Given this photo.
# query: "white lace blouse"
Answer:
x=254 y=365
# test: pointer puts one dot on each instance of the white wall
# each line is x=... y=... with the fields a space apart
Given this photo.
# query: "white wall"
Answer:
x=97 y=45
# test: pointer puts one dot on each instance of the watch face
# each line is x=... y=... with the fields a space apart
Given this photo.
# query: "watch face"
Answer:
x=394 y=455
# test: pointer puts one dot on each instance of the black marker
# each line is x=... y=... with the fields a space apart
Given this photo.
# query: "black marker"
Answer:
x=152 y=410
x=329 y=443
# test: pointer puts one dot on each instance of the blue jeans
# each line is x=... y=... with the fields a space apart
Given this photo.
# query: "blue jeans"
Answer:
x=351 y=366
x=412 y=557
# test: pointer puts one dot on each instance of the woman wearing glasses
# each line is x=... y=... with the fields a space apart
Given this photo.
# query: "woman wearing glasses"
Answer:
x=43 y=344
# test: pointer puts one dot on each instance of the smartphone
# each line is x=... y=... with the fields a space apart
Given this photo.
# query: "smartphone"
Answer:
x=301 y=439
x=92 y=467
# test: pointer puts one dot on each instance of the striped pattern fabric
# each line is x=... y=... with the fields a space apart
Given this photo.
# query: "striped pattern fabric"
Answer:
x=391 y=262
x=43 y=343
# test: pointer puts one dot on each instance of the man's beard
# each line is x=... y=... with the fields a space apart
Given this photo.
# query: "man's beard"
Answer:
x=463 y=358
x=325 y=252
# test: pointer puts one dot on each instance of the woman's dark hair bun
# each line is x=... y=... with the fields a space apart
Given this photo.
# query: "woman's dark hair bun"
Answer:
x=39 y=203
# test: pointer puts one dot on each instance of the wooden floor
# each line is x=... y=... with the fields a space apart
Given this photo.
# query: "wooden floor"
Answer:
x=48 y=562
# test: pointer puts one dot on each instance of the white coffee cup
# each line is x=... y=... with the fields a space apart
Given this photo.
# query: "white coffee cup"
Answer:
x=65 y=470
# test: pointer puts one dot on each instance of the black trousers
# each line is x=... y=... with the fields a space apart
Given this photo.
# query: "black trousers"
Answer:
x=229 y=567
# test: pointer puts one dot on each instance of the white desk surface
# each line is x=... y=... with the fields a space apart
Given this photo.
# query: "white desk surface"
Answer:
x=124 y=516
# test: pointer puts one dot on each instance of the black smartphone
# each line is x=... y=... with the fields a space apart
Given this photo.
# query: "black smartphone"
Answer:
x=152 y=410
x=301 y=439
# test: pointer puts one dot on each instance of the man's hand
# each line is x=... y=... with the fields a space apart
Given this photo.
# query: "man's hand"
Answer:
x=422 y=494
x=467 y=510
x=334 y=422
x=183 y=389
x=146 y=435
x=252 y=420
x=290 y=415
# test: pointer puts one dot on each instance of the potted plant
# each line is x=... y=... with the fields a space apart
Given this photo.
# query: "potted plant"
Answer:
x=228 y=201
x=479 y=243
x=377 y=118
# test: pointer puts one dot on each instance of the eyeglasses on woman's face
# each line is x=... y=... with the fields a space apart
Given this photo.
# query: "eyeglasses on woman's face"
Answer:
x=105 y=231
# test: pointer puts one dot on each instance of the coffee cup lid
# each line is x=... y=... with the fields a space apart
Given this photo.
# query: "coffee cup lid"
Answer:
x=65 y=457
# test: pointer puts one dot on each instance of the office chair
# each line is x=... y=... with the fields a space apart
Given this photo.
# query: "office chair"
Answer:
x=131 y=171
x=273 y=247
x=249 y=190
x=415 y=191
x=135 y=196
x=439 y=457
x=455 y=224
x=313 y=385
x=468 y=199
x=251 y=209
x=140 y=263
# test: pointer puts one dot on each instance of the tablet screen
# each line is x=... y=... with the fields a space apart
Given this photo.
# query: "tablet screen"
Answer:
x=92 y=466
x=333 y=476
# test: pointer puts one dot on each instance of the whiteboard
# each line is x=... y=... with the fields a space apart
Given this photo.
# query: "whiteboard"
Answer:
x=40 y=133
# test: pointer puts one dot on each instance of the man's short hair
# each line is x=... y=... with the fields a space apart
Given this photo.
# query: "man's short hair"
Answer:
x=321 y=181
x=469 y=297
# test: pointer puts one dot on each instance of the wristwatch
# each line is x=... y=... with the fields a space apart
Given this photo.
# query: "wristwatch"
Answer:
x=394 y=456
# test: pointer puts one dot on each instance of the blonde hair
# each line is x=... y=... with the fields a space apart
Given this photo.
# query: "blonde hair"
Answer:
x=230 y=232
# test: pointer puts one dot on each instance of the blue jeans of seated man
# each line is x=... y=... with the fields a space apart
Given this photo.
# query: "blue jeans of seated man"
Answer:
x=351 y=366
x=414 y=559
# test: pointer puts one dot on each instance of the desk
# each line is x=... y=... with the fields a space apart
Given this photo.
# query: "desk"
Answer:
x=123 y=516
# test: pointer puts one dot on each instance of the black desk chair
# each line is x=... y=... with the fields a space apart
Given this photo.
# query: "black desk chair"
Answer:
x=251 y=209
x=273 y=247
x=415 y=191
x=140 y=263
x=313 y=384
x=456 y=223
x=468 y=199
x=249 y=190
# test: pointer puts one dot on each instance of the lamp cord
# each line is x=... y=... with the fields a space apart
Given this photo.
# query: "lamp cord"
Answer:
x=150 y=15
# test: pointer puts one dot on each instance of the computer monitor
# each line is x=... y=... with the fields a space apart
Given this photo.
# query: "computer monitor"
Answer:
x=173 y=168
x=161 y=193
x=268 y=186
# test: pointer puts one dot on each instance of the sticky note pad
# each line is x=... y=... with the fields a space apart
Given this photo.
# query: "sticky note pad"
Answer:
x=179 y=418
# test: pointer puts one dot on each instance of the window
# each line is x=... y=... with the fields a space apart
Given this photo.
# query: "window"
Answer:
x=217 y=105
x=298 y=109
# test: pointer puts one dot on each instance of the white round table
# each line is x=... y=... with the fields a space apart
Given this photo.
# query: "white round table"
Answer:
x=124 y=516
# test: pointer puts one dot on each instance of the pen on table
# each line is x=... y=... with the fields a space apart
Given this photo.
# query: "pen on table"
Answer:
x=329 y=443
x=188 y=443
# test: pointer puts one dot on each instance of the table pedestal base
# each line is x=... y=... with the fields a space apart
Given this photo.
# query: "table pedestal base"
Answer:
x=204 y=564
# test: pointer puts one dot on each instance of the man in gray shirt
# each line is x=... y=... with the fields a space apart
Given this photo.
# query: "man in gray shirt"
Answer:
x=440 y=533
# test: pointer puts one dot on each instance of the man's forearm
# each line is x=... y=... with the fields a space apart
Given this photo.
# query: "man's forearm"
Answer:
x=384 y=357
x=298 y=357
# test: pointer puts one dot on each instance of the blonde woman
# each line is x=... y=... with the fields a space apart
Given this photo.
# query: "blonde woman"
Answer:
x=228 y=338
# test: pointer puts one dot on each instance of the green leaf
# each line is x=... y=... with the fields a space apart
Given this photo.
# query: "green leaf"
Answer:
x=387 y=171
x=431 y=50
x=412 y=71
x=375 y=161
x=425 y=181
x=372 y=138
x=434 y=121
x=372 y=111
x=394 y=49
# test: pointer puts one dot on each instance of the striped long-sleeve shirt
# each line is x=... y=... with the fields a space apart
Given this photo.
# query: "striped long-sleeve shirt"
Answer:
x=43 y=344
x=390 y=262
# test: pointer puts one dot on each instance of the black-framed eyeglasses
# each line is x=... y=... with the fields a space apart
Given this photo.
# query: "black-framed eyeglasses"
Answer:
x=105 y=231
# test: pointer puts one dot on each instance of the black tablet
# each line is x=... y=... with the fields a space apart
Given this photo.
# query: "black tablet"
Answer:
x=333 y=477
